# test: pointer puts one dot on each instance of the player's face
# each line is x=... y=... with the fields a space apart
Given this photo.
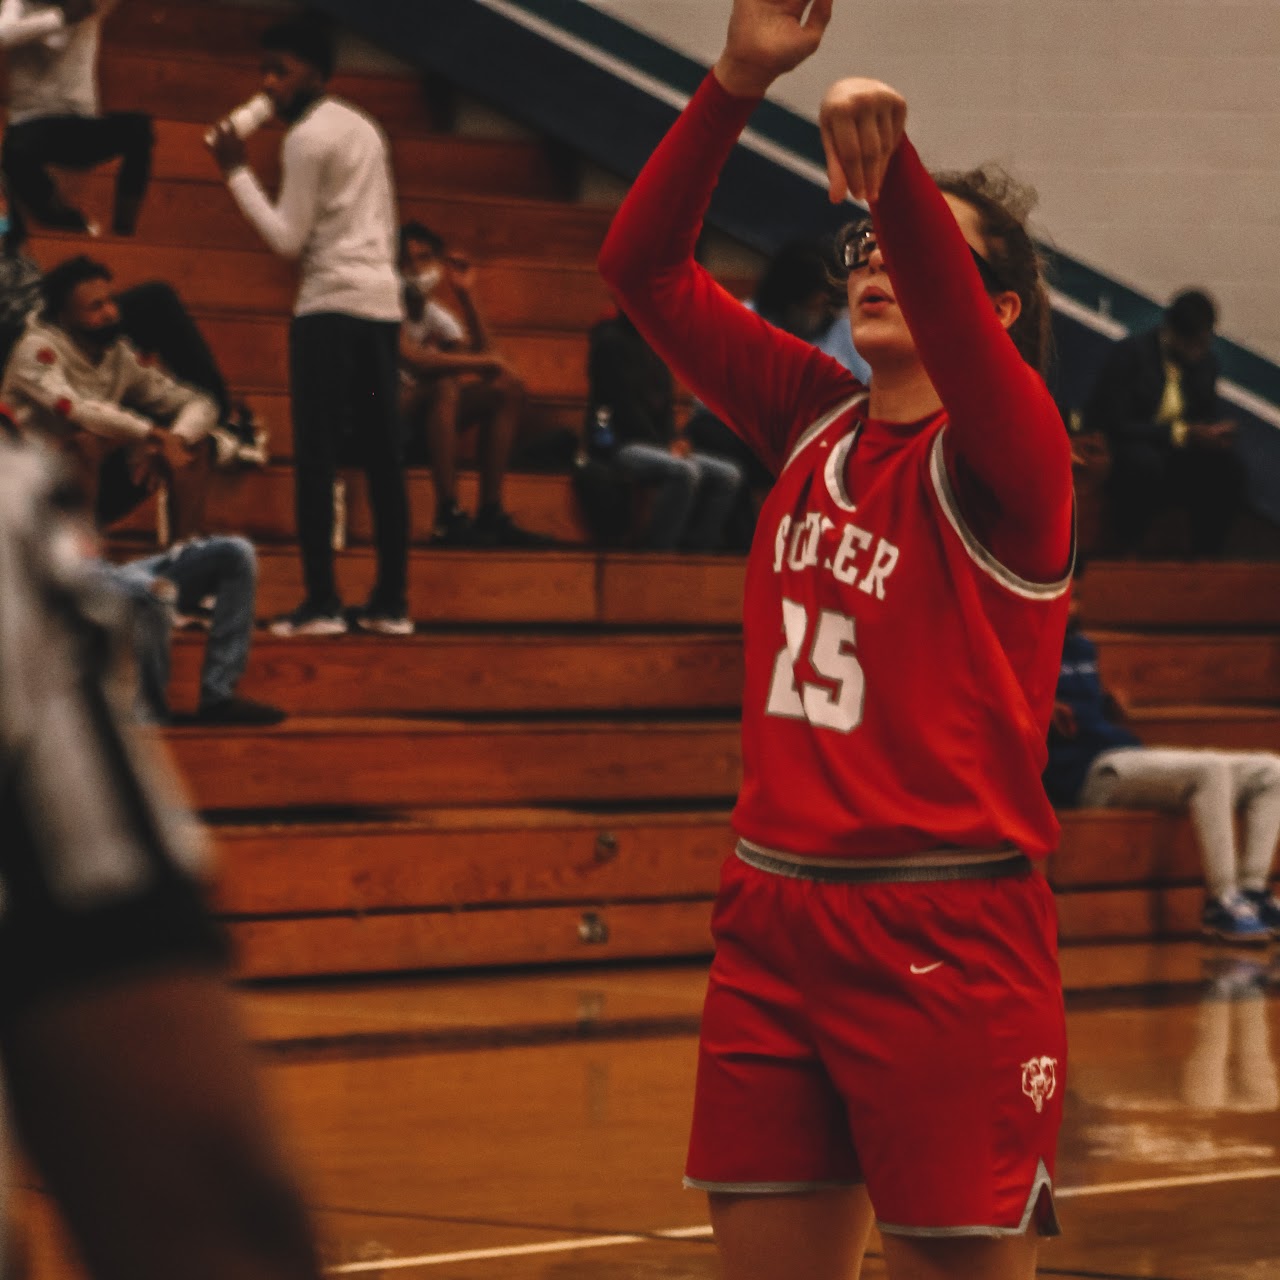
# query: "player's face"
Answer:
x=879 y=331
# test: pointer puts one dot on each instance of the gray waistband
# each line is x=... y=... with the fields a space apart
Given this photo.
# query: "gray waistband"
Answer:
x=994 y=866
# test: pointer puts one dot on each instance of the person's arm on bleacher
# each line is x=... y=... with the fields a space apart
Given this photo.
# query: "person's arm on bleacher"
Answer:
x=429 y=361
x=191 y=415
x=36 y=380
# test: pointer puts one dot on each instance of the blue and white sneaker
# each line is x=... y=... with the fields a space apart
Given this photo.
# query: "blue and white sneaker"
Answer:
x=1267 y=905
x=1233 y=918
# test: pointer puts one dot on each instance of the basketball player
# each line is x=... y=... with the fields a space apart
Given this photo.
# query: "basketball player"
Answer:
x=884 y=1033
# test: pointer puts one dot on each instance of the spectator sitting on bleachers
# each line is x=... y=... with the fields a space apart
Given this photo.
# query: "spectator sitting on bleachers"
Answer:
x=1096 y=762
x=124 y=426
x=631 y=422
x=1156 y=402
x=156 y=321
x=796 y=294
x=450 y=379
x=168 y=590
x=55 y=117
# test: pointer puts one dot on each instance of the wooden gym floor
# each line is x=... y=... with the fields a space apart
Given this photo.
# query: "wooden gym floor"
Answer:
x=532 y=1127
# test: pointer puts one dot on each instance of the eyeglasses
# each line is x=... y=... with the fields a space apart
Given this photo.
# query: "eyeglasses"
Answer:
x=857 y=242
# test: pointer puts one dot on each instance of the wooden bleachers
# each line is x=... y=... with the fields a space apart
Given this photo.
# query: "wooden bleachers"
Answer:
x=545 y=772
x=467 y=887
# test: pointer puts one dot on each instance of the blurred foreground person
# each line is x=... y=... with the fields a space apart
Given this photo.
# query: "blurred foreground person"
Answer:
x=128 y=1078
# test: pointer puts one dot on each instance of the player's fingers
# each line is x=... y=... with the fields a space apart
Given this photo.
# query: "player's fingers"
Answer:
x=819 y=17
x=868 y=131
x=837 y=187
x=888 y=139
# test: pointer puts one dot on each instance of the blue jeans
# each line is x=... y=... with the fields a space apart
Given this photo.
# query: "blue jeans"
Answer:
x=225 y=568
x=695 y=495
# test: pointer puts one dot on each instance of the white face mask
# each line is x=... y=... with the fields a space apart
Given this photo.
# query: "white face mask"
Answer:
x=428 y=282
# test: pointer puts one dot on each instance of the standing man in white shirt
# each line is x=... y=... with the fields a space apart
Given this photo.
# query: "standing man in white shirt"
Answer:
x=55 y=117
x=336 y=215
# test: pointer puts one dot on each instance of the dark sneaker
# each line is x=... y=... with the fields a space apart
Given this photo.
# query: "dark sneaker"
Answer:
x=378 y=623
x=306 y=620
x=1234 y=918
x=1267 y=905
x=239 y=711
x=453 y=530
x=498 y=529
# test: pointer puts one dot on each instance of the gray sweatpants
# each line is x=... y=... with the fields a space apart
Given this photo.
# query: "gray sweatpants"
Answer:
x=1213 y=786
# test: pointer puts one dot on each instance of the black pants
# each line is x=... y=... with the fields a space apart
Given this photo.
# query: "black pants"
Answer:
x=344 y=378
x=158 y=323
x=1209 y=484
x=75 y=142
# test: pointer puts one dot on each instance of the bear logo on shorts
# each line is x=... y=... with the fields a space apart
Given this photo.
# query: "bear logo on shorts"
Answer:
x=1040 y=1080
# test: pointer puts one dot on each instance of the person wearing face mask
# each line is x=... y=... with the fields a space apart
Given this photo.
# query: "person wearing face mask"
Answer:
x=124 y=425
x=450 y=379
x=335 y=216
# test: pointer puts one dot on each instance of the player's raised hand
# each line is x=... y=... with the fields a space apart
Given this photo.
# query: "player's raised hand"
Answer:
x=768 y=38
x=862 y=122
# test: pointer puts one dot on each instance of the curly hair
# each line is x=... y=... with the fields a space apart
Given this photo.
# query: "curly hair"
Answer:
x=1004 y=205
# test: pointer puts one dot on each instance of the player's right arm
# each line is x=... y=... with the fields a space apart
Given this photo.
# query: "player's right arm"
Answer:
x=765 y=384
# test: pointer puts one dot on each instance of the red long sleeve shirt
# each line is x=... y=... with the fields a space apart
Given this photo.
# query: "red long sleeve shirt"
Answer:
x=899 y=675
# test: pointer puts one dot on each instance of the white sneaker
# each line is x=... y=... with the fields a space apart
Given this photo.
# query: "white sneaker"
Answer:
x=305 y=621
x=382 y=624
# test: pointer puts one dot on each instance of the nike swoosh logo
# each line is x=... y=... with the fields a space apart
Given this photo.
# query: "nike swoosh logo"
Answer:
x=918 y=969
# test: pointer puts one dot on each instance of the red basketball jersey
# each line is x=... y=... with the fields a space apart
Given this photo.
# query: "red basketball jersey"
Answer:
x=899 y=680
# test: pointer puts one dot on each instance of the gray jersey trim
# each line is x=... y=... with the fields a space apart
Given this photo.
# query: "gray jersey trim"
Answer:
x=811 y=433
x=977 y=552
x=766 y=1188
x=1042 y=1183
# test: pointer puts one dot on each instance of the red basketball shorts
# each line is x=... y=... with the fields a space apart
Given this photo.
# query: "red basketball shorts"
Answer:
x=909 y=1036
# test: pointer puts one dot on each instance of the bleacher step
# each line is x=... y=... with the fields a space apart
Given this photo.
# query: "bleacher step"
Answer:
x=195 y=212
x=511 y=293
x=465 y=888
x=483 y=672
x=362 y=762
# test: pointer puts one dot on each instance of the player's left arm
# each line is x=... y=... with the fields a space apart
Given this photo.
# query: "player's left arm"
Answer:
x=1007 y=448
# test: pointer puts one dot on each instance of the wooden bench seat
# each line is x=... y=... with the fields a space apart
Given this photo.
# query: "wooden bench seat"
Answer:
x=1156 y=667
x=1132 y=594
x=462 y=673
x=461 y=888
x=260 y=505
x=196 y=212
x=531 y=588
x=253 y=354
x=369 y=762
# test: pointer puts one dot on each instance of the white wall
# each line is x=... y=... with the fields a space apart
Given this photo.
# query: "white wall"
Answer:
x=1150 y=127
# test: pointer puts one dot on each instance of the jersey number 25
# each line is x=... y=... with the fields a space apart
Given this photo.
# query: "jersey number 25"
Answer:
x=836 y=704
